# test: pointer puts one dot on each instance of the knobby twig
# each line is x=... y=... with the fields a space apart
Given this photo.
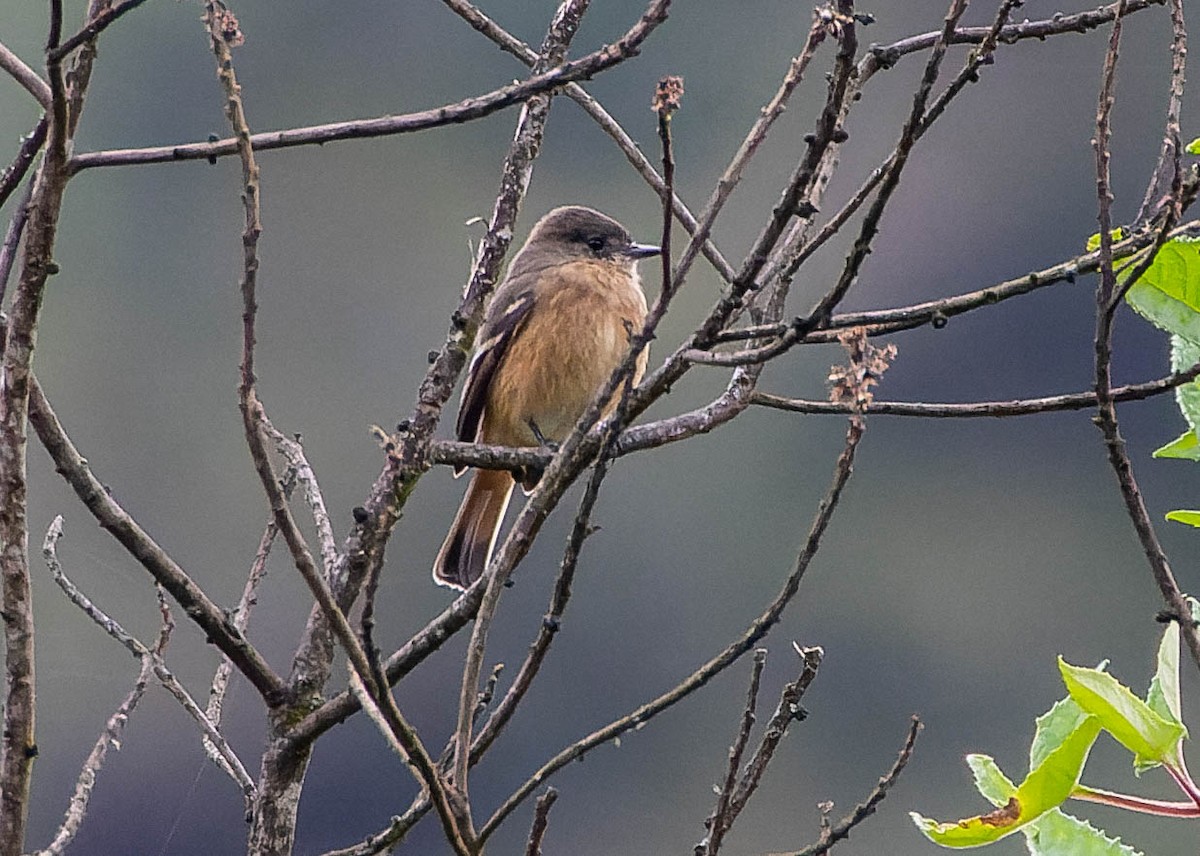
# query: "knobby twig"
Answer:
x=241 y=613
x=541 y=819
x=787 y=711
x=95 y=26
x=995 y=409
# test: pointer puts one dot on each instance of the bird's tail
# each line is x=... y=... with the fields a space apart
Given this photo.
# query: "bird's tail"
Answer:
x=468 y=546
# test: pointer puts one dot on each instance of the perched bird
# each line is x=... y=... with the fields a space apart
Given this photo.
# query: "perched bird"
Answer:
x=556 y=329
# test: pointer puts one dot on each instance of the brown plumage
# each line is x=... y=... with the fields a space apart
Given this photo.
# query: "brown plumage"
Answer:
x=554 y=332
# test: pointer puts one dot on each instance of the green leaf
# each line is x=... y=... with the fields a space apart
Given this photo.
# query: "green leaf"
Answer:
x=1184 y=355
x=1163 y=697
x=1193 y=148
x=1056 y=834
x=1045 y=788
x=1093 y=243
x=1191 y=518
x=990 y=781
x=1053 y=727
x=1152 y=738
x=1168 y=293
x=1186 y=447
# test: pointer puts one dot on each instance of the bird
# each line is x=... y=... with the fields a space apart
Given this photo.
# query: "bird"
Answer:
x=557 y=327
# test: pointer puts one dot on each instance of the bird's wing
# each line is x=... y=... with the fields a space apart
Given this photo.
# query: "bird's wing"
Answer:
x=489 y=354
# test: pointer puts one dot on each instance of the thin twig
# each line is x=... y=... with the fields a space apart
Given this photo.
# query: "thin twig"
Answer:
x=111 y=735
x=832 y=834
x=1019 y=407
x=12 y=238
x=31 y=144
x=226 y=759
x=241 y=613
x=721 y=819
x=98 y=24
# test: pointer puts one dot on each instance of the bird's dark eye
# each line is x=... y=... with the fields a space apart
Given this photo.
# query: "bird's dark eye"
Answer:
x=595 y=244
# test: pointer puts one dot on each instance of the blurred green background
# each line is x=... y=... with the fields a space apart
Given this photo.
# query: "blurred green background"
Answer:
x=964 y=557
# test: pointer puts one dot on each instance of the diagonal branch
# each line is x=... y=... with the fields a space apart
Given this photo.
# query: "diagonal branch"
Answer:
x=25 y=76
x=832 y=834
x=209 y=617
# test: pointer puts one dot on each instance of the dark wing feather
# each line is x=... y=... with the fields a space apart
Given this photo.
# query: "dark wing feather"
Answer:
x=495 y=336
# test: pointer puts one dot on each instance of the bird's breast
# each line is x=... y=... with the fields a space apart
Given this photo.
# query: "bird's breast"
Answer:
x=574 y=338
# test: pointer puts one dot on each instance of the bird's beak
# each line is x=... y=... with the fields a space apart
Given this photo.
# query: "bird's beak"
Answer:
x=642 y=251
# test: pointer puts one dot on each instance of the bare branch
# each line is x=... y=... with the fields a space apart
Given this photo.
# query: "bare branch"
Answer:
x=824 y=22
x=541 y=818
x=113 y=729
x=994 y=409
x=113 y=518
x=19 y=746
x=25 y=76
x=1107 y=296
x=463 y=111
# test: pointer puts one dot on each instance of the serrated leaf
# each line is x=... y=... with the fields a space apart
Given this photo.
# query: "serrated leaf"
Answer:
x=1053 y=727
x=1150 y=737
x=1045 y=788
x=990 y=781
x=1163 y=697
x=1168 y=293
x=1184 y=355
x=1093 y=242
x=1191 y=518
x=1193 y=148
x=1056 y=833
x=1186 y=447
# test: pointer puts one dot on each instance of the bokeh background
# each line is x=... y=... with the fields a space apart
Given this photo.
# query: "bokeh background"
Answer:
x=965 y=556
